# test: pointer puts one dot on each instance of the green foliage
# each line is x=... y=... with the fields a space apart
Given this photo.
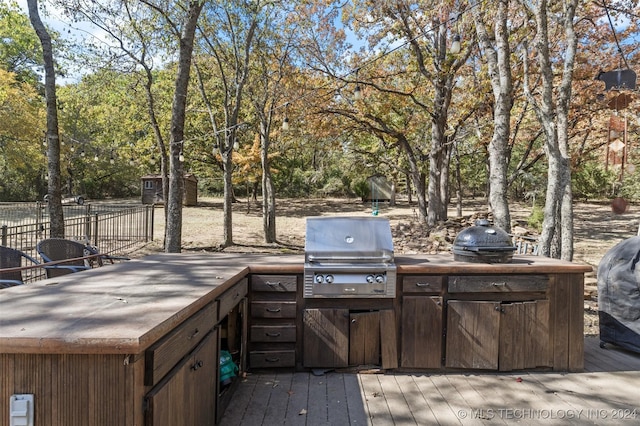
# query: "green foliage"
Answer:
x=20 y=49
x=293 y=183
x=360 y=187
x=22 y=124
x=630 y=187
x=592 y=181
x=536 y=218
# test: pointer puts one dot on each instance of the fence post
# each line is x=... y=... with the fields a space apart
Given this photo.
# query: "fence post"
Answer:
x=95 y=229
x=4 y=235
x=87 y=223
x=149 y=217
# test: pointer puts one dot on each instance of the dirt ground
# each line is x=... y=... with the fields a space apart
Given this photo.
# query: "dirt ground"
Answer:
x=596 y=230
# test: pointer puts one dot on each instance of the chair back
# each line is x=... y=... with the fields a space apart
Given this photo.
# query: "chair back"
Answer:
x=12 y=258
x=54 y=249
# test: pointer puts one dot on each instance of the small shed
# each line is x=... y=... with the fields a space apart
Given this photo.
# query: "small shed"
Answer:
x=379 y=189
x=152 y=190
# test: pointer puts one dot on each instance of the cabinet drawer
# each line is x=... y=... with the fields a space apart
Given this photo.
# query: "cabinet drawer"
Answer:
x=422 y=283
x=230 y=298
x=161 y=357
x=498 y=283
x=269 y=359
x=273 y=333
x=277 y=283
x=273 y=309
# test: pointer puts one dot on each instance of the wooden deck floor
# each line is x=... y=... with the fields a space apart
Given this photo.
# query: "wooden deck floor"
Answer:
x=605 y=393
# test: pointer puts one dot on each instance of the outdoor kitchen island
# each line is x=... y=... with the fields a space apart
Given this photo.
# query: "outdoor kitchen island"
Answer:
x=139 y=342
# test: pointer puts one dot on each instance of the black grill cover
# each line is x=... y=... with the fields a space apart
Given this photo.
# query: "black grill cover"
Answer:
x=619 y=295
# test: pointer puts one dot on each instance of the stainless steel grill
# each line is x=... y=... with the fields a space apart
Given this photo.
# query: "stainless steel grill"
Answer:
x=349 y=257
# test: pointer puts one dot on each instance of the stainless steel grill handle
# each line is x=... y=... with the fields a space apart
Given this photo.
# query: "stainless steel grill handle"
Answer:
x=346 y=259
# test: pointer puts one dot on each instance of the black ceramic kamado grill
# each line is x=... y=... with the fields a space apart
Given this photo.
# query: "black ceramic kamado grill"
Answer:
x=483 y=243
x=350 y=257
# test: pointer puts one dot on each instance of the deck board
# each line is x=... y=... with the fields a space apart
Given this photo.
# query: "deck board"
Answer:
x=599 y=395
x=375 y=402
x=419 y=405
x=298 y=396
x=278 y=398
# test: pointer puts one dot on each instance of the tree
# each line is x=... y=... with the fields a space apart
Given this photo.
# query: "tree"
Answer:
x=22 y=125
x=20 y=49
x=498 y=60
x=552 y=110
x=56 y=214
x=426 y=36
x=227 y=35
x=185 y=33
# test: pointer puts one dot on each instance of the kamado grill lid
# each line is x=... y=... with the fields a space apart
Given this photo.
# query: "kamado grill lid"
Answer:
x=483 y=243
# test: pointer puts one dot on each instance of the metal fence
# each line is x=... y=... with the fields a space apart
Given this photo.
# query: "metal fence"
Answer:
x=114 y=229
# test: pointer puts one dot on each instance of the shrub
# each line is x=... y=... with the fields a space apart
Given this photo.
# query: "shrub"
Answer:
x=535 y=218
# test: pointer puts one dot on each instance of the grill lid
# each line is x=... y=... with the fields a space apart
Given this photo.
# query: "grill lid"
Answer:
x=483 y=243
x=351 y=239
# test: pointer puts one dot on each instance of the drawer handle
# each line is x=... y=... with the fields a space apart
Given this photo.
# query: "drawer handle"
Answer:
x=273 y=284
x=423 y=284
x=273 y=310
x=272 y=334
x=272 y=359
x=194 y=334
x=499 y=284
x=197 y=365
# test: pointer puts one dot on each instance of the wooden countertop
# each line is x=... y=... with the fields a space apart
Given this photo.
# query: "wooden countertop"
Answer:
x=124 y=308
x=444 y=264
x=120 y=308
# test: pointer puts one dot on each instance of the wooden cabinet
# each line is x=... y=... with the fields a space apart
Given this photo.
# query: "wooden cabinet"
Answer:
x=509 y=330
x=187 y=395
x=165 y=354
x=338 y=337
x=182 y=368
x=422 y=318
x=232 y=330
x=326 y=337
x=421 y=332
x=273 y=331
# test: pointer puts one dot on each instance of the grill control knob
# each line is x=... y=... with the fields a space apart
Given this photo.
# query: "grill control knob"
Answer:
x=319 y=279
x=379 y=279
x=370 y=279
x=328 y=279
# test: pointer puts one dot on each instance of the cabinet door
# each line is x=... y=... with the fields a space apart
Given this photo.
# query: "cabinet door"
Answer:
x=524 y=335
x=364 y=338
x=421 y=332
x=187 y=396
x=326 y=338
x=473 y=333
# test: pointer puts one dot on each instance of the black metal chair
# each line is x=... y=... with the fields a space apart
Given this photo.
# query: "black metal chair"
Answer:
x=59 y=249
x=12 y=258
x=85 y=256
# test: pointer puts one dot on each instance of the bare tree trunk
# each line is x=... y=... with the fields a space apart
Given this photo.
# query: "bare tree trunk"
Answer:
x=557 y=226
x=227 y=209
x=436 y=206
x=178 y=112
x=268 y=191
x=499 y=66
x=164 y=157
x=56 y=214
x=439 y=153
